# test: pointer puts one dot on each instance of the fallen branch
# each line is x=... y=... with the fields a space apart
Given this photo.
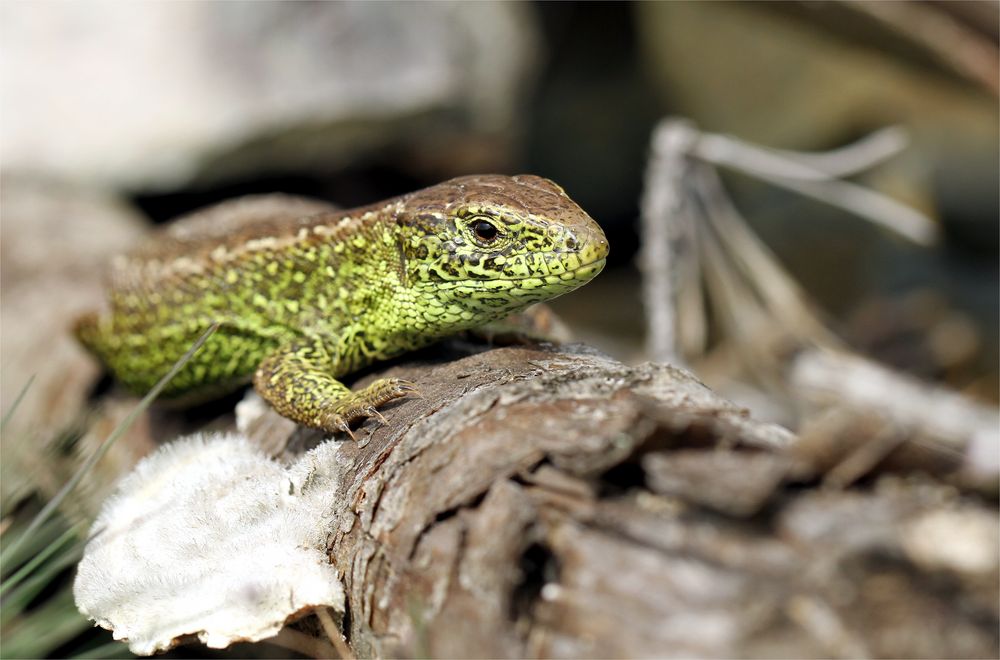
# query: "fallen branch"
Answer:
x=554 y=502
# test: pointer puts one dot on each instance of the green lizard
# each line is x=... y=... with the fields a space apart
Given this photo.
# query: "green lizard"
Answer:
x=305 y=297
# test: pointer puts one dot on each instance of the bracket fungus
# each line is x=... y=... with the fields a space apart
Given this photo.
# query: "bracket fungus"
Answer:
x=209 y=537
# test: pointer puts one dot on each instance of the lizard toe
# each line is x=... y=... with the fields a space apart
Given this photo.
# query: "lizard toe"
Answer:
x=336 y=423
x=371 y=411
x=405 y=388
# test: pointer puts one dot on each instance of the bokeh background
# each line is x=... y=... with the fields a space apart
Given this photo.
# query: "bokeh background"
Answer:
x=117 y=116
x=166 y=107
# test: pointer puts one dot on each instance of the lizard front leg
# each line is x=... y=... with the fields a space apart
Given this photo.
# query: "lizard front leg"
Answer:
x=296 y=380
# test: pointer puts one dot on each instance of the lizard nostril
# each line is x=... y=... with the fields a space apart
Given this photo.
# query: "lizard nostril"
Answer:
x=601 y=246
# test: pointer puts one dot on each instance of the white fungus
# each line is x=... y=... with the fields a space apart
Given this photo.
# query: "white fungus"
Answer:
x=210 y=537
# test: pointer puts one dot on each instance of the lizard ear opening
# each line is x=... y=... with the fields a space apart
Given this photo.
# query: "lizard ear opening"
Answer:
x=401 y=261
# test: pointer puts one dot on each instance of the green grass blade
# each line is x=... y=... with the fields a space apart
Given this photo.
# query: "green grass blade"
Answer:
x=52 y=504
x=37 y=560
x=10 y=411
x=47 y=627
x=40 y=539
x=22 y=595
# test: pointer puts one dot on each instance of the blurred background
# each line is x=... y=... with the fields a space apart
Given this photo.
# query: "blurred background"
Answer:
x=117 y=116
x=160 y=108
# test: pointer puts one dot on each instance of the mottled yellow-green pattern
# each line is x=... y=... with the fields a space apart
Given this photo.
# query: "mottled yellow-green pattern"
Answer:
x=303 y=298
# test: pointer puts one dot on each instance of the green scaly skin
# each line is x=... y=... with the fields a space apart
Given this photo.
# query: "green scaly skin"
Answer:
x=304 y=295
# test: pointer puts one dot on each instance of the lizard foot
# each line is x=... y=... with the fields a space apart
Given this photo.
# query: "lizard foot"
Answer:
x=364 y=404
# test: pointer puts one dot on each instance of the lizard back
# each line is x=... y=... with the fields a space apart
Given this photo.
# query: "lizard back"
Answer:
x=244 y=263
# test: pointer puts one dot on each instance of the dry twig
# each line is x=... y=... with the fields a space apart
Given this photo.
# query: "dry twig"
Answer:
x=697 y=245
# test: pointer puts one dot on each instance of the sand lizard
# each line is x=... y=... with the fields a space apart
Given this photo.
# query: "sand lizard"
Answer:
x=304 y=296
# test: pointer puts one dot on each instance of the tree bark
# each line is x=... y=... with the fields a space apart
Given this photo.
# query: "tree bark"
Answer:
x=550 y=501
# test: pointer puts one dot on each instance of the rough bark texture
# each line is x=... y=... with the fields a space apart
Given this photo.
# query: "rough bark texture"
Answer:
x=542 y=501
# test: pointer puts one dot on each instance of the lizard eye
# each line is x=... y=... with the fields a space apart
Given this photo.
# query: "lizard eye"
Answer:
x=484 y=230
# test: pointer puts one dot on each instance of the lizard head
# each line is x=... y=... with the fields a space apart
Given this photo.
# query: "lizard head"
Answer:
x=479 y=247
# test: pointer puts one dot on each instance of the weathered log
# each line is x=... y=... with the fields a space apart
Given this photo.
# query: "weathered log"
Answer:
x=544 y=501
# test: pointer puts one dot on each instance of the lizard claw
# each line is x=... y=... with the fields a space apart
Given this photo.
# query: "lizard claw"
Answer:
x=402 y=386
x=408 y=388
x=388 y=389
x=371 y=411
x=336 y=423
x=359 y=405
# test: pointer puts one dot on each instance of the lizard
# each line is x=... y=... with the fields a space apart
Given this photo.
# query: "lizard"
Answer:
x=303 y=295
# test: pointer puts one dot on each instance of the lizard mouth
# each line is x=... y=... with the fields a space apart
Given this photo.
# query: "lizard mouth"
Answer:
x=577 y=276
x=572 y=278
x=551 y=286
x=583 y=271
x=580 y=274
x=587 y=271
